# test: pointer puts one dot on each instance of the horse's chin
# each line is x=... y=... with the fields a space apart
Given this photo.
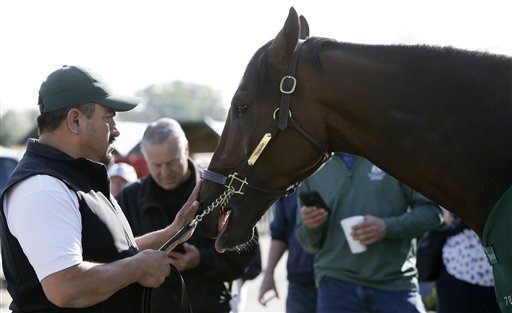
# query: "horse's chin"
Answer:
x=229 y=238
x=222 y=225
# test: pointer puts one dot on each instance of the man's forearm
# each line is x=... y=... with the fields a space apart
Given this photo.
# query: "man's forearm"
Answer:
x=89 y=283
x=155 y=239
x=276 y=251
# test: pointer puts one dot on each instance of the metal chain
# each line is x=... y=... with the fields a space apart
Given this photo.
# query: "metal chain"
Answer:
x=221 y=201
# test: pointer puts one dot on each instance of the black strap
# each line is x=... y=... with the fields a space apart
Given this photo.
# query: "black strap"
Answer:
x=312 y=140
x=214 y=177
x=288 y=84
x=222 y=180
x=177 y=281
x=174 y=278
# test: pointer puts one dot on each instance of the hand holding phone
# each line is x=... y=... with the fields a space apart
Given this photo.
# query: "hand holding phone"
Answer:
x=313 y=198
x=179 y=248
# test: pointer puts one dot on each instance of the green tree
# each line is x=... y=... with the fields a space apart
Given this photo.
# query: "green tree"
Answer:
x=15 y=125
x=179 y=100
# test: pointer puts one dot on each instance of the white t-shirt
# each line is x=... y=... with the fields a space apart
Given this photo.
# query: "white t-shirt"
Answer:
x=43 y=214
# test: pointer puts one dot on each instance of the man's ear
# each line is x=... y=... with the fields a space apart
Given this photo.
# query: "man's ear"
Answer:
x=73 y=121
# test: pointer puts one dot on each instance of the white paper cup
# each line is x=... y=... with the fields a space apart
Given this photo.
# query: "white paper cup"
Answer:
x=355 y=245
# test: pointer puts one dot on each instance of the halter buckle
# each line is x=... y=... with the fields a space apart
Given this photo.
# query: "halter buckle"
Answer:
x=292 y=88
x=233 y=179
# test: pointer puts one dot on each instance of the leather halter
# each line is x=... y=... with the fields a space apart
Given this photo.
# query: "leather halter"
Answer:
x=236 y=181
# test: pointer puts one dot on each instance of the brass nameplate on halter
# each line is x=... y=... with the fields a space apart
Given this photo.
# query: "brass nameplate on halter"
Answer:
x=259 y=149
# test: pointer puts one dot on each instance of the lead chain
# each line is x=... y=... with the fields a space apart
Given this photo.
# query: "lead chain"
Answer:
x=221 y=201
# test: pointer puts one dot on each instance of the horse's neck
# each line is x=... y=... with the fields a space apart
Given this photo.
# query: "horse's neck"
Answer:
x=436 y=134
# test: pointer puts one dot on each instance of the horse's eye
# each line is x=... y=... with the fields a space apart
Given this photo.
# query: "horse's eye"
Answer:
x=241 y=109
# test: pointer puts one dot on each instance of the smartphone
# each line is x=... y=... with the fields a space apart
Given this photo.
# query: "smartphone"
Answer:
x=313 y=198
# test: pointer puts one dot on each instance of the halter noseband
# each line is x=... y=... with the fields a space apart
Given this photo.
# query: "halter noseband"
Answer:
x=235 y=181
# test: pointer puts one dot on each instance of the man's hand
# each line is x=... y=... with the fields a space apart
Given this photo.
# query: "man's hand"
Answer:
x=189 y=209
x=89 y=283
x=267 y=284
x=184 y=216
x=312 y=217
x=187 y=260
x=373 y=229
x=155 y=265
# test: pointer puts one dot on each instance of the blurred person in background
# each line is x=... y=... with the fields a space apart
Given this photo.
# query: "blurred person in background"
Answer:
x=466 y=282
x=301 y=296
x=121 y=174
x=383 y=278
x=154 y=200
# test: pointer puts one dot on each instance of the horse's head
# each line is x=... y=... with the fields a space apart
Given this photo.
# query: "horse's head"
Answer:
x=268 y=144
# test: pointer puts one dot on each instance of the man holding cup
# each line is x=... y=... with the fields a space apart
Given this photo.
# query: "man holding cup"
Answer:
x=382 y=217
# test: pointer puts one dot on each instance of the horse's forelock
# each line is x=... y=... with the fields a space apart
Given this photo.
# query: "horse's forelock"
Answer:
x=258 y=73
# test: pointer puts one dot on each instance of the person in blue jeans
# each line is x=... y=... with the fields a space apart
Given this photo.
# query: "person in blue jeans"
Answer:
x=301 y=296
x=383 y=278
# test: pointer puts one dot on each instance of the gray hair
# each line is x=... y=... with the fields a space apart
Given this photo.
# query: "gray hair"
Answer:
x=162 y=130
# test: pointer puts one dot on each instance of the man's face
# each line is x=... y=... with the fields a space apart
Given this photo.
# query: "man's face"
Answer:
x=167 y=164
x=101 y=132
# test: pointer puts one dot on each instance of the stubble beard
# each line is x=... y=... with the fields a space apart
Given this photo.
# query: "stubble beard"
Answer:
x=108 y=158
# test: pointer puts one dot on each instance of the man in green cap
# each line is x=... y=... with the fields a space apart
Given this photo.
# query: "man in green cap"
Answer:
x=66 y=244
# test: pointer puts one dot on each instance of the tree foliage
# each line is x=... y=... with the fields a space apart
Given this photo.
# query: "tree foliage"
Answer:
x=15 y=125
x=179 y=100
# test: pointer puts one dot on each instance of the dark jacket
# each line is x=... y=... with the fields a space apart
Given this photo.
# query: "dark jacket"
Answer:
x=208 y=285
x=105 y=236
x=299 y=265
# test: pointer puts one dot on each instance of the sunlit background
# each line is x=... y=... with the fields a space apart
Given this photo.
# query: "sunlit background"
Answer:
x=133 y=44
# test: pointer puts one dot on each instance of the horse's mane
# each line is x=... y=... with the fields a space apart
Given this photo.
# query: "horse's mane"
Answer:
x=427 y=53
x=258 y=71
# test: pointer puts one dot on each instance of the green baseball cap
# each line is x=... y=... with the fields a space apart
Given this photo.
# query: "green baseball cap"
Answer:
x=71 y=86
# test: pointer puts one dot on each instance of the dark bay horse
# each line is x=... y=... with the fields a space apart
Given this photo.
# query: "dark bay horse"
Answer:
x=437 y=118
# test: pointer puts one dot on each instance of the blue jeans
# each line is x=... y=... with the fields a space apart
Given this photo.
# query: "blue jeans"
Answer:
x=335 y=295
x=301 y=298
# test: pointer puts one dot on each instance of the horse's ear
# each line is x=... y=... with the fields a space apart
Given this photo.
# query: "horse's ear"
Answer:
x=304 y=28
x=286 y=40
